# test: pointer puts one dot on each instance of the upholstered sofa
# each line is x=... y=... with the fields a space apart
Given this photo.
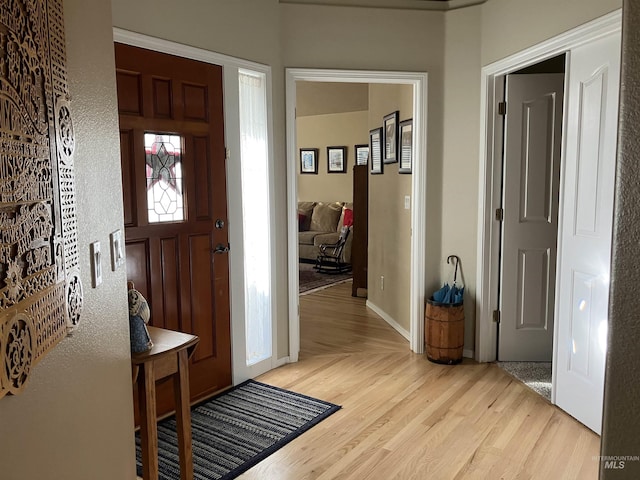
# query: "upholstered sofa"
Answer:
x=320 y=223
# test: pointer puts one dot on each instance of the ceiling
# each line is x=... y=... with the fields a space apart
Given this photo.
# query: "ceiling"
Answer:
x=393 y=4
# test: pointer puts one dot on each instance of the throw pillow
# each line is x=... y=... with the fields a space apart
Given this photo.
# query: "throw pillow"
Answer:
x=348 y=217
x=325 y=217
x=347 y=206
x=303 y=225
x=306 y=209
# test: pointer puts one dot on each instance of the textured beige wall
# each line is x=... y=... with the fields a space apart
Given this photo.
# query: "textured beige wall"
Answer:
x=291 y=35
x=248 y=29
x=361 y=38
x=474 y=37
x=305 y=36
x=509 y=26
x=321 y=131
x=321 y=98
x=621 y=421
x=379 y=39
x=460 y=165
x=74 y=421
x=389 y=222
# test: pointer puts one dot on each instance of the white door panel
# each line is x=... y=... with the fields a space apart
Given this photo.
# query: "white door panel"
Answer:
x=585 y=236
x=533 y=129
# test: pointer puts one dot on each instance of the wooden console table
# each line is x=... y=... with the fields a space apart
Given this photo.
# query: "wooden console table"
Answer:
x=169 y=357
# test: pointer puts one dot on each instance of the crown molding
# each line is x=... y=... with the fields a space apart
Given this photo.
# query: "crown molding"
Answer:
x=437 y=5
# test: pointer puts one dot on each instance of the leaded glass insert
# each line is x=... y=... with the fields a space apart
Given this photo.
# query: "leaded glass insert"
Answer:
x=163 y=156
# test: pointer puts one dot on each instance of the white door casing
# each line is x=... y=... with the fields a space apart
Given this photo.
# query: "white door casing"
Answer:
x=586 y=229
x=419 y=81
x=533 y=139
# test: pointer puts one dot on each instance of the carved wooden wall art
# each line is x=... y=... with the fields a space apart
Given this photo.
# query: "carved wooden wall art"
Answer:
x=40 y=288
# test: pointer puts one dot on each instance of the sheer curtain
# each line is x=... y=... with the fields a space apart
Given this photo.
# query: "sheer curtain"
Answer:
x=255 y=215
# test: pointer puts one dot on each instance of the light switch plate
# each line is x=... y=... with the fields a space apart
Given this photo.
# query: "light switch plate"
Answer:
x=117 y=250
x=96 y=264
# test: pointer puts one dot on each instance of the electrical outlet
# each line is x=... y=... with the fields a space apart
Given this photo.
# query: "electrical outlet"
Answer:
x=96 y=264
x=381 y=282
x=407 y=202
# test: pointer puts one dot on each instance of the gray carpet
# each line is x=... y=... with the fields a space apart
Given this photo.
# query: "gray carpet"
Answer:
x=312 y=281
x=237 y=429
x=535 y=375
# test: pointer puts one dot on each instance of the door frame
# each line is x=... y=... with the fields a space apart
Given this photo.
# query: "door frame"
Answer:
x=490 y=159
x=231 y=67
x=418 y=192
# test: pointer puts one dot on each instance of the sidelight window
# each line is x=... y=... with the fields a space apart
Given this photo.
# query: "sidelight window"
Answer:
x=255 y=214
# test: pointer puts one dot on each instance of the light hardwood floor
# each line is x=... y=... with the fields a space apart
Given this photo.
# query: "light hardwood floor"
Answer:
x=404 y=417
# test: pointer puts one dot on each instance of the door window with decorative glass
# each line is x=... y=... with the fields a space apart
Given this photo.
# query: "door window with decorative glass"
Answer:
x=163 y=157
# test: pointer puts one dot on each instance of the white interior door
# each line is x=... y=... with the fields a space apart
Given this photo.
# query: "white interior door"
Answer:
x=585 y=238
x=533 y=130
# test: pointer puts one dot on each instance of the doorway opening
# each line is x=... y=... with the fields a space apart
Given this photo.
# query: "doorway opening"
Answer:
x=585 y=213
x=334 y=124
x=532 y=142
x=418 y=82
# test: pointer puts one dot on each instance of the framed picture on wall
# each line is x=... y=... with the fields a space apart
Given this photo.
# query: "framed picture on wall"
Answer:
x=362 y=154
x=390 y=140
x=375 y=149
x=309 y=160
x=337 y=159
x=406 y=146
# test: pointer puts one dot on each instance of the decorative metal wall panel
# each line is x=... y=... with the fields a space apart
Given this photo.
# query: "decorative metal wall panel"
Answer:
x=40 y=287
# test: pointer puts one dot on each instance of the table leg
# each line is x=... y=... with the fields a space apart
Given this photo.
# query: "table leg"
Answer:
x=148 y=419
x=183 y=415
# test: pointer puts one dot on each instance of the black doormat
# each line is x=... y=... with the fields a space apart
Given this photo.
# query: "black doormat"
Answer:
x=235 y=430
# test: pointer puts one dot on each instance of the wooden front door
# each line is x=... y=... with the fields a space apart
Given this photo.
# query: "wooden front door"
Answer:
x=174 y=187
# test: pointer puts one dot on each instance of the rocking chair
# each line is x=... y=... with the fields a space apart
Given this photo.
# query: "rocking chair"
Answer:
x=330 y=258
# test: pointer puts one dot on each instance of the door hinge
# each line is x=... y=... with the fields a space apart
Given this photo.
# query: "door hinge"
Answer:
x=227 y=153
x=500 y=214
x=496 y=316
x=502 y=108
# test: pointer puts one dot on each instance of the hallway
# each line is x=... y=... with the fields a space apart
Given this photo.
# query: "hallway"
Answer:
x=406 y=418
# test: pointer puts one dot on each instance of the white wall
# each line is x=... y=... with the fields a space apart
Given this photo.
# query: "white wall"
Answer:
x=75 y=419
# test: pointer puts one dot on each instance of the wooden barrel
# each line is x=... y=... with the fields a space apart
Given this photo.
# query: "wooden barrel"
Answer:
x=444 y=332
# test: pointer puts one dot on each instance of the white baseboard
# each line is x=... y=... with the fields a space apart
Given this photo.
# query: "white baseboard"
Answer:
x=281 y=361
x=468 y=353
x=387 y=318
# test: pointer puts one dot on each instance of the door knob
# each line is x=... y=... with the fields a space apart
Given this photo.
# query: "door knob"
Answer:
x=219 y=224
x=221 y=248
